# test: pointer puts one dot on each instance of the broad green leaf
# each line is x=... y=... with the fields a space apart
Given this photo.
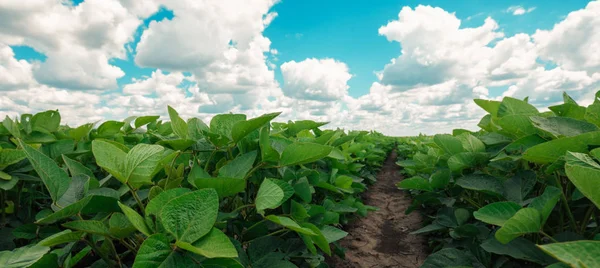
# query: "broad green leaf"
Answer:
x=344 y=182
x=11 y=156
x=290 y=224
x=415 y=183
x=243 y=128
x=519 y=248
x=298 y=211
x=224 y=186
x=584 y=173
x=78 y=186
x=569 y=110
x=470 y=143
x=87 y=205
x=141 y=164
x=294 y=128
x=191 y=216
x=450 y=144
x=267 y=153
x=516 y=126
x=526 y=220
x=512 y=106
x=5 y=181
x=318 y=239
x=155 y=205
x=238 y=167
x=580 y=254
x=592 y=114
x=562 y=126
x=110 y=128
x=63 y=237
x=489 y=106
x=302 y=189
x=519 y=186
x=215 y=244
x=332 y=234
x=156 y=252
x=429 y=228
x=551 y=151
x=196 y=128
x=440 y=179
x=452 y=257
x=461 y=161
x=482 y=183
x=110 y=157
x=119 y=226
x=22 y=257
x=222 y=124
x=12 y=127
x=56 y=179
x=76 y=168
x=88 y=226
x=272 y=193
x=180 y=128
x=301 y=153
x=144 y=120
x=135 y=219
x=497 y=213
x=47 y=121
x=546 y=202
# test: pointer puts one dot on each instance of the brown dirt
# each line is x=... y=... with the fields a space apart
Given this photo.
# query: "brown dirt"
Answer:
x=382 y=239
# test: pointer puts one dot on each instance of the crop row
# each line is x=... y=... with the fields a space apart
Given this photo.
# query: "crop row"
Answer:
x=144 y=192
x=523 y=191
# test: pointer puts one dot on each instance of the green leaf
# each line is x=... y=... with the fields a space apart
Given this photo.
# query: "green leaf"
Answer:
x=191 y=216
x=415 y=183
x=196 y=128
x=482 y=183
x=63 y=237
x=87 y=205
x=497 y=213
x=238 y=167
x=489 y=106
x=470 y=143
x=110 y=128
x=157 y=203
x=302 y=189
x=519 y=186
x=141 y=164
x=215 y=244
x=301 y=153
x=592 y=114
x=562 y=126
x=318 y=239
x=519 y=248
x=546 y=202
x=551 y=151
x=526 y=220
x=450 y=144
x=55 y=179
x=144 y=120
x=461 y=161
x=581 y=254
x=440 y=179
x=267 y=153
x=110 y=157
x=10 y=156
x=46 y=122
x=156 y=252
x=243 y=128
x=135 y=219
x=272 y=193
x=224 y=186
x=180 y=128
x=294 y=128
x=222 y=124
x=452 y=257
x=77 y=168
x=290 y=224
x=343 y=182
x=584 y=173
x=512 y=106
x=76 y=191
x=88 y=226
x=332 y=234
x=22 y=257
x=119 y=226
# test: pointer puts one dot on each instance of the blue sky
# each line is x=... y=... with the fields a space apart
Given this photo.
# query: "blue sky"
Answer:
x=315 y=60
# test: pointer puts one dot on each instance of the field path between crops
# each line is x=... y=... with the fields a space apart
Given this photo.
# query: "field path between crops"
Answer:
x=382 y=239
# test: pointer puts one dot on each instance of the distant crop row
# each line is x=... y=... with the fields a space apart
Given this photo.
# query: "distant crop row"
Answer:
x=524 y=191
x=143 y=192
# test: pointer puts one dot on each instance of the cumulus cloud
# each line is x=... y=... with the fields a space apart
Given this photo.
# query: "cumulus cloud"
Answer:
x=519 y=10
x=315 y=79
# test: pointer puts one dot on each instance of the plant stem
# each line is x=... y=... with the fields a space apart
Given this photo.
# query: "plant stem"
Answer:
x=253 y=170
x=548 y=236
x=586 y=219
x=128 y=246
x=112 y=245
x=243 y=207
x=565 y=202
x=470 y=201
x=254 y=225
x=271 y=234
x=136 y=197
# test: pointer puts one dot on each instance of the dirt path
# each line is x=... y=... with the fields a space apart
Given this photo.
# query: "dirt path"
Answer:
x=382 y=239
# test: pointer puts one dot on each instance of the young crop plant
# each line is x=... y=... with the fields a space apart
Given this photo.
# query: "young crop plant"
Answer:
x=144 y=192
x=523 y=191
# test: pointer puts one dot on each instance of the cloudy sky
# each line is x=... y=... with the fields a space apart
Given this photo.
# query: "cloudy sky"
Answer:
x=399 y=67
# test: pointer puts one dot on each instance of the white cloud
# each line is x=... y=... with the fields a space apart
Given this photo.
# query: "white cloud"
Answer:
x=315 y=79
x=13 y=73
x=519 y=10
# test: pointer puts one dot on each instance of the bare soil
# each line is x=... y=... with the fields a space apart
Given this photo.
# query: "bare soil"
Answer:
x=382 y=239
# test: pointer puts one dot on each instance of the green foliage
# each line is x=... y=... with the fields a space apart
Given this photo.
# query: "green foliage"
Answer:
x=530 y=180
x=143 y=192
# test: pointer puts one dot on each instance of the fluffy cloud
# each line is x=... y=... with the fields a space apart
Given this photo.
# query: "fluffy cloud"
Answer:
x=13 y=73
x=519 y=10
x=315 y=79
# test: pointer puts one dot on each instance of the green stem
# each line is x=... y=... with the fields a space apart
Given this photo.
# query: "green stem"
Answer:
x=254 y=225
x=99 y=253
x=586 y=219
x=136 y=197
x=565 y=202
x=209 y=159
x=470 y=201
x=171 y=168
x=114 y=249
x=254 y=170
x=548 y=236
x=128 y=246
x=271 y=234
x=242 y=207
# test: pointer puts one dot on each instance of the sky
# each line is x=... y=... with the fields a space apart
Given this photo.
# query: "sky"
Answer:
x=397 y=67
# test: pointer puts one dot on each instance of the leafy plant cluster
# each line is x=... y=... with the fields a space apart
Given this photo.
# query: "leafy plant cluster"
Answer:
x=150 y=193
x=524 y=191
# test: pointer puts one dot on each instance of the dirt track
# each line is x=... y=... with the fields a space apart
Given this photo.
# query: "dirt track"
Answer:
x=382 y=239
